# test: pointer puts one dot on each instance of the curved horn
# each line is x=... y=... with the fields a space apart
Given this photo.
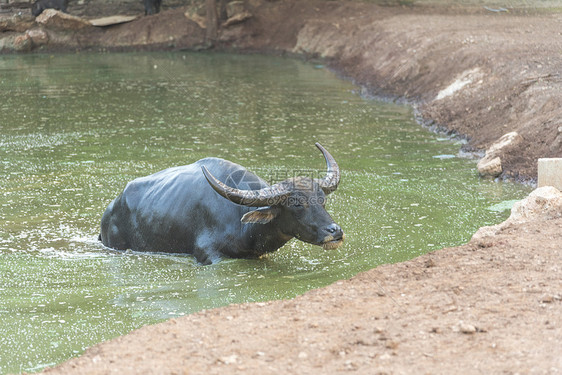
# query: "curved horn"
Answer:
x=267 y=196
x=332 y=179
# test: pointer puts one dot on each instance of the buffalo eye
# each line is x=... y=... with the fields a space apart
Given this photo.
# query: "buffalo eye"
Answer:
x=298 y=202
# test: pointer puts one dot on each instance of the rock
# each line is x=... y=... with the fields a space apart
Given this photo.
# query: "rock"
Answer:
x=465 y=78
x=236 y=13
x=229 y=360
x=467 y=328
x=385 y=356
x=197 y=13
x=23 y=43
x=199 y=20
x=490 y=165
x=112 y=20
x=38 y=36
x=17 y=22
x=349 y=365
x=543 y=203
x=483 y=233
x=508 y=139
x=55 y=19
x=436 y=330
x=237 y=18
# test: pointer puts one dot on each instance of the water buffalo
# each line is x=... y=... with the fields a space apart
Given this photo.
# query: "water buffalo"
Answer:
x=152 y=6
x=40 y=5
x=214 y=208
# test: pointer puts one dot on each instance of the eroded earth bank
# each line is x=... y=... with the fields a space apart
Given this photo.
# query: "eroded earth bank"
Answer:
x=490 y=306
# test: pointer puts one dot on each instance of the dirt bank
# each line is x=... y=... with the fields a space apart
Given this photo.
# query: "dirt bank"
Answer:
x=491 y=306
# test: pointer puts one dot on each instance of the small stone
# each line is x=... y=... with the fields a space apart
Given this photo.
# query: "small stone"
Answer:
x=229 y=360
x=490 y=167
x=385 y=356
x=467 y=328
x=390 y=344
x=238 y=18
x=429 y=263
x=350 y=366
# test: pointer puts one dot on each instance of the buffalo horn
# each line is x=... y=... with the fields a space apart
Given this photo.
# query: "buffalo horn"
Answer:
x=329 y=183
x=267 y=196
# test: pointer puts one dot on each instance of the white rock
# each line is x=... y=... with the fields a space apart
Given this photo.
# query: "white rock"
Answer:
x=229 y=360
x=508 y=139
x=465 y=78
x=542 y=204
x=467 y=328
x=112 y=20
x=490 y=167
x=58 y=20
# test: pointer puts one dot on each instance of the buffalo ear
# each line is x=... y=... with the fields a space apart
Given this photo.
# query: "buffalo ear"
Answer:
x=260 y=216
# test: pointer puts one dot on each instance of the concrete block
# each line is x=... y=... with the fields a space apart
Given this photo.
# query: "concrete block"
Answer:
x=550 y=172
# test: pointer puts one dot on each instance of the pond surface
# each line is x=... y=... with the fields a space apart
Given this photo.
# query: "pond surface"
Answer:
x=76 y=128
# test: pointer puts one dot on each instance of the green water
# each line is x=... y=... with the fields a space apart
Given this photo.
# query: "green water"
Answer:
x=76 y=128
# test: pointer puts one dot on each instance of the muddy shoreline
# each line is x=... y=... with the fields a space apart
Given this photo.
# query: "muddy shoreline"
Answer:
x=492 y=305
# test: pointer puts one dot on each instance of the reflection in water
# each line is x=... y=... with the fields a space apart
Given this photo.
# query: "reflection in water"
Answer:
x=77 y=128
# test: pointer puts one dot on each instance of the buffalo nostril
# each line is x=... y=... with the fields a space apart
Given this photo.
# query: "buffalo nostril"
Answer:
x=333 y=228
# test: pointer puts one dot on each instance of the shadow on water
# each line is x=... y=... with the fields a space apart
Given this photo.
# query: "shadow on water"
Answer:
x=76 y=128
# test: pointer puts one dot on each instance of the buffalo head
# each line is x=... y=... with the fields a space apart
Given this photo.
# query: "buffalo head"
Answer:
x=294 y=206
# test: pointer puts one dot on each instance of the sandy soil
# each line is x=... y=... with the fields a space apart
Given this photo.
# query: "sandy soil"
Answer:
x=491 y=306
